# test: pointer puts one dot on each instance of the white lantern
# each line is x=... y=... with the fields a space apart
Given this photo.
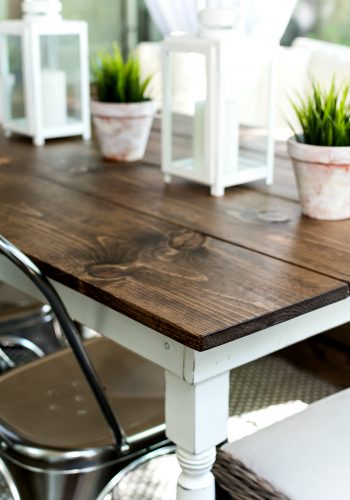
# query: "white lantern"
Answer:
x=216 y=61
x=44 y=74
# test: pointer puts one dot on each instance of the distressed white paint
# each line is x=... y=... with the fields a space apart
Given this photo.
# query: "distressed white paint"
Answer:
x=196 y=415
x=196 y=420
x=323 y=179
x=191 y=365
x=199 y=366
x=123 y=129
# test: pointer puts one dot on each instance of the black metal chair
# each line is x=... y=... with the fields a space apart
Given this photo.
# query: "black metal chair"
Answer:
x=68 y=425
x=28 y=329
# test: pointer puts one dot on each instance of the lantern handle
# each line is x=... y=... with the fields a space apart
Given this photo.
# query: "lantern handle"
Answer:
x=41 y=8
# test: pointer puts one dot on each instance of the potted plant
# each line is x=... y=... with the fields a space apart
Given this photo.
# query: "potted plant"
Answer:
x=321 y=153
x=122 y=112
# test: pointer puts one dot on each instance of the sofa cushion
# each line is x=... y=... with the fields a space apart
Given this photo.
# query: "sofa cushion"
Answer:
x=327 y=60
x=306 y=456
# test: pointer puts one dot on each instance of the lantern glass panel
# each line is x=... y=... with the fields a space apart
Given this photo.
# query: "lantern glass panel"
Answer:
x=255 y=105
x=193 y=103
x=60 y=77
x=13 y=82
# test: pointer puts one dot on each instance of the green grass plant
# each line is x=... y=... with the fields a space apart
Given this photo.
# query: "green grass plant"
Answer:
x=323 y=115
x=117 y=80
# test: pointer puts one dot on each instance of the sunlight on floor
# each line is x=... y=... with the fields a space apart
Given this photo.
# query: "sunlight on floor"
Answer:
x=247 y=423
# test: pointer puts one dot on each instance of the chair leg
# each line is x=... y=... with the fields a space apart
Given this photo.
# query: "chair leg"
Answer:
x=5 y=362
x=29 y=483
x=9 y=481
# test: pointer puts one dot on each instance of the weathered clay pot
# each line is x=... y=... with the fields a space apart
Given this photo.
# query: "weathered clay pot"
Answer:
x=323 y=178
x=123 y=129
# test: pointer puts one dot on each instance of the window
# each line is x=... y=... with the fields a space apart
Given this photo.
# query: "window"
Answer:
x=124 y=21
x=326 y=20
x=128 y=22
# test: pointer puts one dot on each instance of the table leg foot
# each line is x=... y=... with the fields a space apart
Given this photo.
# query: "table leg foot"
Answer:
x=167 y=178
x=217 y=190
x=196 y=482
x=38 y=140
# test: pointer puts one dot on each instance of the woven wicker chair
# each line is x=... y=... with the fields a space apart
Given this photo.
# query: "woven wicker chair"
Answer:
x=67 y=426
x=304 y=457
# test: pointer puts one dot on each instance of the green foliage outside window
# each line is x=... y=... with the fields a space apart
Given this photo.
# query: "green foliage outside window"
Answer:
x=333 y=21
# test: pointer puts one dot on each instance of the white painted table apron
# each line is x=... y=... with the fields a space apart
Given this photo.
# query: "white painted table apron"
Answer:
x=197 y=383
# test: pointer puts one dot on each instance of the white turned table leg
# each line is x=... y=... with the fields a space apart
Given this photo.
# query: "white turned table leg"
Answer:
x=196 y=480
x=196 y=420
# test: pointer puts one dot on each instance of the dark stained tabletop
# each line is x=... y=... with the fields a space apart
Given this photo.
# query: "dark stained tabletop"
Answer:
x=201 y=270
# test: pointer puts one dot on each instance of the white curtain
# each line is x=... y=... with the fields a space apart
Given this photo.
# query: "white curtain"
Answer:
x=174 y=15
x=267 y=17
x=261 y=17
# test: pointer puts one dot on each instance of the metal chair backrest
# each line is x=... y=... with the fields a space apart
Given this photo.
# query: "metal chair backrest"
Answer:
x=20 y=260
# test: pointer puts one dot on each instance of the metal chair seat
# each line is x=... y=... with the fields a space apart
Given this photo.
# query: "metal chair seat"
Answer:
x=49 y=404
x=69 y=422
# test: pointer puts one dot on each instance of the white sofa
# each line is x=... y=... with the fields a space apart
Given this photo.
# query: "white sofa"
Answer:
x=305 y=59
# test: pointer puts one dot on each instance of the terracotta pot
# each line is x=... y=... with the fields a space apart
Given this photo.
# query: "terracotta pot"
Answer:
x=123 y=129
x=323 y=178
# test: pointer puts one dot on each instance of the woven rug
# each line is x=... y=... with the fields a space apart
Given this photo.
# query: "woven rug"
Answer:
x=262 y=392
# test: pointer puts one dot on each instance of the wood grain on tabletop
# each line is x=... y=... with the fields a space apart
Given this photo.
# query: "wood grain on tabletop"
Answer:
x=191 y=287
x=267 y=224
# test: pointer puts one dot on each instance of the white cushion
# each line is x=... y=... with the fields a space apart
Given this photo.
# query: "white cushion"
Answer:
x=295 y=65
x=327 y=60
x=306 y=456
x=253 y=67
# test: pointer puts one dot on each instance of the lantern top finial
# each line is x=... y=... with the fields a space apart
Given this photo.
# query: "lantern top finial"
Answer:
x=216 y=22
x=41 y=8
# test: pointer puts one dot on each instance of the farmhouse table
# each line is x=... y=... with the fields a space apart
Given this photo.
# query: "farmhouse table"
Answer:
x=196 y=284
